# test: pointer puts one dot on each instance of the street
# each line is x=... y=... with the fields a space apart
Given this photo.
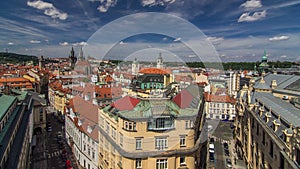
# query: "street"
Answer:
x=54 y=149
x=51 y=152
x=222 y=133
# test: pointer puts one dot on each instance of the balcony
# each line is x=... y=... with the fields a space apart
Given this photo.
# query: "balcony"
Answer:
x=161 y=124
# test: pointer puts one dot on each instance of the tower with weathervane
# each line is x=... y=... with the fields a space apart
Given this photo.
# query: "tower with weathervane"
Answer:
x=159 y=62
x=72 y=59
x=263 y=66
x=135 y=67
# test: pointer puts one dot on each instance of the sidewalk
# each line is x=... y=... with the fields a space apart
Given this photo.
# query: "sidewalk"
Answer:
x=236 y=163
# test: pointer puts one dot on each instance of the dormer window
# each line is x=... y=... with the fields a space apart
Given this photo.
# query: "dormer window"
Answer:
x=89 y=129
x=130 y=126
x=276 y=124
x=79 y=123
x=287 y=134
x=268 y=116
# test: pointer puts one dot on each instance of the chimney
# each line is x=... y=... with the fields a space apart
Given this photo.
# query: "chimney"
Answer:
x=273 y=84
x=95 y=102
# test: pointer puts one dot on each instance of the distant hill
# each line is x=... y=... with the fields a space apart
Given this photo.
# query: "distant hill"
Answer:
x=17 y=58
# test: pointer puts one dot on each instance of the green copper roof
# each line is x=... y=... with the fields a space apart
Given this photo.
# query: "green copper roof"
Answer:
x=5 y=103
x=20 y=94
x=146 y=109
x=264 y=57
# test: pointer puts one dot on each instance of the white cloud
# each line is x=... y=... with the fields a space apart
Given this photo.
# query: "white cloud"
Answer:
x=177 y=39
x=48 y=9
x=215 y=40
x=156 y=2
x=80 y=44
x=10 y=43
x=283 y=56
x=63 y=43
x=247 y=17
x=279 y=38
x=35 y=41
x=106 y=4
x=122 y=43
x=252 y=4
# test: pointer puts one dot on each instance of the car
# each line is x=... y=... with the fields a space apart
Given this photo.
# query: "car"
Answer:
x=49 y=128
x=68 y=164
x=232 y=126
x=212 y=140
x=59 y=136
x=61 y=145
x=211 y=148
x=226 y=152
x=228 y=163
x=226 y=147
x=211 y=157
x=64 y=154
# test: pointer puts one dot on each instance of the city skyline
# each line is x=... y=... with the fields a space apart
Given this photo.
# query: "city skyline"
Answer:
x=239 y=30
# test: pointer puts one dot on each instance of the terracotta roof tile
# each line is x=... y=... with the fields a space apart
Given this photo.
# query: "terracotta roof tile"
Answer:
x=125 y=103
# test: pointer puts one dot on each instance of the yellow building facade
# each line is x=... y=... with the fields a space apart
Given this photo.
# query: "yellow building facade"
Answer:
x=151 y=134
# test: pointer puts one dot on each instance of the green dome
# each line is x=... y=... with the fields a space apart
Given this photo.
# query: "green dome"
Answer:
x=264 y=57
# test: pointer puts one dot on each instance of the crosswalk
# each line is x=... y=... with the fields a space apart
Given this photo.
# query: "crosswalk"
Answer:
x=54 y=154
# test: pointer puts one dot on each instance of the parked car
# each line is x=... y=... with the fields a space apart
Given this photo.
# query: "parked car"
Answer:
x=49 y=128
x=211 y=140
x=211 y=157
x=228 y=163
x=68 y=164
x=226 y=152
x=61 y=144
x=64 y=154
x=226 y=147
x=211 y=148
x=59 y=136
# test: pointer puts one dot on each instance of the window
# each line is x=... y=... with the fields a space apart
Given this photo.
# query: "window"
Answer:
x=187 y=124
x=190 y=124
x=161 y=143
x=264 y=138
x=182 y=160
x=298 y=156
x=161 y=164
x=101 y=122
x=138 y=163
x=107 y=128
x=271 y=148
x=182 y=141
x=101 y=138
x=163 y=123
x=129 y=126
x=138 y=143
x=113 y=133
x=121 y=139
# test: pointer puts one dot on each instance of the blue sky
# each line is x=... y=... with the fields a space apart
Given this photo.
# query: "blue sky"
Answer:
x=238 y=30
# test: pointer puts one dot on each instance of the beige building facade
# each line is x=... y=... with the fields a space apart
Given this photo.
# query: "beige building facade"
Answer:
x=266 y=129
x=158 y=133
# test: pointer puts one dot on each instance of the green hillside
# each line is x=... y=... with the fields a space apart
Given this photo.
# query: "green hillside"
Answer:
x=16 y=58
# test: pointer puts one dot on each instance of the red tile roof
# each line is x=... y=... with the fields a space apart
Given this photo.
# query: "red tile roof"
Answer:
x=154 y=71
x=88 y=115
x=218 y=98
x=125 y=103
x=183 y=99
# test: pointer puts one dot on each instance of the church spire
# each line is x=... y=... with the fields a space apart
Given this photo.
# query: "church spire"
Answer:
x=81 y=57
x=264 y=57
x=72 y=58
